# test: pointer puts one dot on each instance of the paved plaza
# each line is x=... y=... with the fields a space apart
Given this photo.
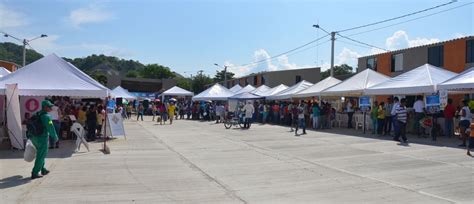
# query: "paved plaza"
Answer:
x=201 y=162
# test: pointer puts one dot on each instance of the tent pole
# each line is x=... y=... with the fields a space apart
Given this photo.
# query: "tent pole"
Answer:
x=105 y=128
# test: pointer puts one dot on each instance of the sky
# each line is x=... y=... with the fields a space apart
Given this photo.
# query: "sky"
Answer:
x=192 y=35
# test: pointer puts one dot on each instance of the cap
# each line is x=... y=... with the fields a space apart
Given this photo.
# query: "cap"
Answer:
x=46 y=103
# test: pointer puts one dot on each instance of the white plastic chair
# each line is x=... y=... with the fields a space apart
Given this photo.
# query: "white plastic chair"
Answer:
x=79 y=131
x=359 y=121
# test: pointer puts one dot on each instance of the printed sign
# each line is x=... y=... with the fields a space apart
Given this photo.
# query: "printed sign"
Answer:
x=443 y=96
x=30 y=105
x=433 y=103
x=364 y=103
x=115 y=125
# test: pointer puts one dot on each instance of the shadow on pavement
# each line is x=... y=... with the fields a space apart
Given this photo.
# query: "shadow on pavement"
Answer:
x=65 y=150
x=13 y=181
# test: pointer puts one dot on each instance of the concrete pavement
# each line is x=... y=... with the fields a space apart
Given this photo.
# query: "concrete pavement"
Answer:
x=201 y=162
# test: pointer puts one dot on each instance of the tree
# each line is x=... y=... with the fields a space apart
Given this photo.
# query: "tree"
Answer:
x=156 y=71
x=184 y=83
x=199 y=82
x=338 y=70
x=220 y=76
x=100 y=77
x=132 y=74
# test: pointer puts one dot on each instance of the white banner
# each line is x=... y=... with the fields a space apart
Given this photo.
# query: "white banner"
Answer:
x=115 y=125
x=443 y=97
x=2 y=110
x=13 y=116
x=30 y=104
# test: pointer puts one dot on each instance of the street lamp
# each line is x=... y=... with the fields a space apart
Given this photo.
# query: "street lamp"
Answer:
x=25 y=42
x=333 y=38
x=225 y=73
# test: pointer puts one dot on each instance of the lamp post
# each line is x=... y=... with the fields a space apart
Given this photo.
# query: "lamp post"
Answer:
x=24 y=42
x=333 y=39
x=225 y=73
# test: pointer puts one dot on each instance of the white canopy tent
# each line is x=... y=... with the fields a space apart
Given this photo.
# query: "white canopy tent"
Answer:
x=235 y=88
x=317 y=88
x=289 y=92
x=260 y=90
x=356 y=85
x=463 y=83
x=53 y=76
x=421 y=80
x=176 y=91
x=119 y=92
x=4 y=72
x=246 y=89
x=274 y=90
x=216 y=92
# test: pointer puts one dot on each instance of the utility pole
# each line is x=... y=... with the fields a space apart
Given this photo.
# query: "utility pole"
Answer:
x=225 y=73
x=333 y=39
x=24 y=42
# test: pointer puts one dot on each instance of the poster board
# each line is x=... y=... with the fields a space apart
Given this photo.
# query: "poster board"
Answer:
x=364 y=103
x=30 y=104
x=115 y=125
x=13 y=116
x=443 y=97
x=432 y=103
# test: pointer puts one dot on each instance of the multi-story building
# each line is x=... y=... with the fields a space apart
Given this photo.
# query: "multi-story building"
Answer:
x=455 y=55
x=274 y=78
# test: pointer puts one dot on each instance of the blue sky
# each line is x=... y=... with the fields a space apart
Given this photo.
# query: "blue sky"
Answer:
x=192 y=35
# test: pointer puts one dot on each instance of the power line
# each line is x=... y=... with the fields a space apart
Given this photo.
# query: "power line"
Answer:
x=363 y=43
x=398 y=17
x=413 y=19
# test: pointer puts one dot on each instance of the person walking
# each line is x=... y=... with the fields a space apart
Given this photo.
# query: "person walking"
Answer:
x=380 y=118
x=140 y=111
x=316 y=114
x=373 y=116
x=471 y=140
x=154 y=111
x=448 y=113
x=171 y=112
x=393 y=112
x=419 y=108
x=55 y=115
x=401 y=118
x=301 y=118
x=350 y=112
x=91 y=122
x=464 y=121
x=388 y=117
x=40 y=140
x=249 y=110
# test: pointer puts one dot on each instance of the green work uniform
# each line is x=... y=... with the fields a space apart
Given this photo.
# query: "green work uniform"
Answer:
x=41 y=142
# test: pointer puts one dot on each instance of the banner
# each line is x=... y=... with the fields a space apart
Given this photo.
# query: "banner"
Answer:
x=13 y=116
x=364 y=103
x=433 y=103
x=443 y=97
x=115 y=125
x=30 y=105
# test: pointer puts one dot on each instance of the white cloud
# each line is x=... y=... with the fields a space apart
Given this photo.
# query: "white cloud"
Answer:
x=92 y=14
x=459 y=35
x=400 y=40
x=10 y=18
x=347 y=56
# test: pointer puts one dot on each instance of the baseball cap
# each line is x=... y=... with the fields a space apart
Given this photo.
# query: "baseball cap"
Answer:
x=46 y=103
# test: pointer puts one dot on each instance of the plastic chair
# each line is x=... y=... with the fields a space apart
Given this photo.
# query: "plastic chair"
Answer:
x=79 y=131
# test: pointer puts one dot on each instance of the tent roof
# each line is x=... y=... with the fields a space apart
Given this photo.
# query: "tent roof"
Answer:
x=4 y=72
x=119 y=92
x=177 y=91
x=423 y=79
x=246 y=89
x=246 y=96
x=53 y=76
x=216 y=92
x=462 y=82
x=235 y=88
x=357 y=84
x=316 y=89
x=288 y=93
x=261 y=89
x=274 y=90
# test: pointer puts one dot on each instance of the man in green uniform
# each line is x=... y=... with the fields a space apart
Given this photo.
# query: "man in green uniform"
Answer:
x=41 y=141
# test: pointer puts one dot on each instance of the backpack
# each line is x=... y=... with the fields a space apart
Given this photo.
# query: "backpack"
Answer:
x=34 y=125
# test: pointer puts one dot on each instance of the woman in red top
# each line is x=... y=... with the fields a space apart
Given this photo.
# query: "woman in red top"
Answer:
x=448 y=112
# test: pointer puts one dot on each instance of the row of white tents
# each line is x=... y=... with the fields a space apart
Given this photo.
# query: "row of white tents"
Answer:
x=426 y=79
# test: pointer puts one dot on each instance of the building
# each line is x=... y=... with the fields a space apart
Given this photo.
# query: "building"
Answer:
x=455 y=55
x=274 y=78
x=9 y=65
x=149 y=86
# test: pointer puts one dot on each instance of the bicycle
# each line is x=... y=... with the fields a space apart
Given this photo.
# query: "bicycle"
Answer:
x=232 y=120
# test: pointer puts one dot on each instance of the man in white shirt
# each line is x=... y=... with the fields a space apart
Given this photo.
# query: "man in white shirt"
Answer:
x=248 y=110
x=396 y=105
x=55 y=117
x=350 y=112
x=301 y=118
x=419 y=108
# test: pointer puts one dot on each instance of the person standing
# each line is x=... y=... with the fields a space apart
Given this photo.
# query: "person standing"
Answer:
x=401 y=119
x=448 y=113
x=373 y=116
x=249 y=110
x=55 y=114
x=153 y=111
x=316 y=114
x=41 y=140
x=140 y=112
x=276 y=113
x=380 y=118
x=388 y=117
x=464 y=121
x=419 y=108
x=91 y=121
x=100 y=119
x=471 y=140
x=301 y=118
x=396 y=104
x=350 y=112
x=81 y=115
x=171 y=112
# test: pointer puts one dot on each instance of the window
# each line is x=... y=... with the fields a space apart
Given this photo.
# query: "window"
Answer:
x=255 y=80
x=298 y=78
x=397 y=62
x=372 y=63
x=263 y=80
x=435 y=56
x=470 y=51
